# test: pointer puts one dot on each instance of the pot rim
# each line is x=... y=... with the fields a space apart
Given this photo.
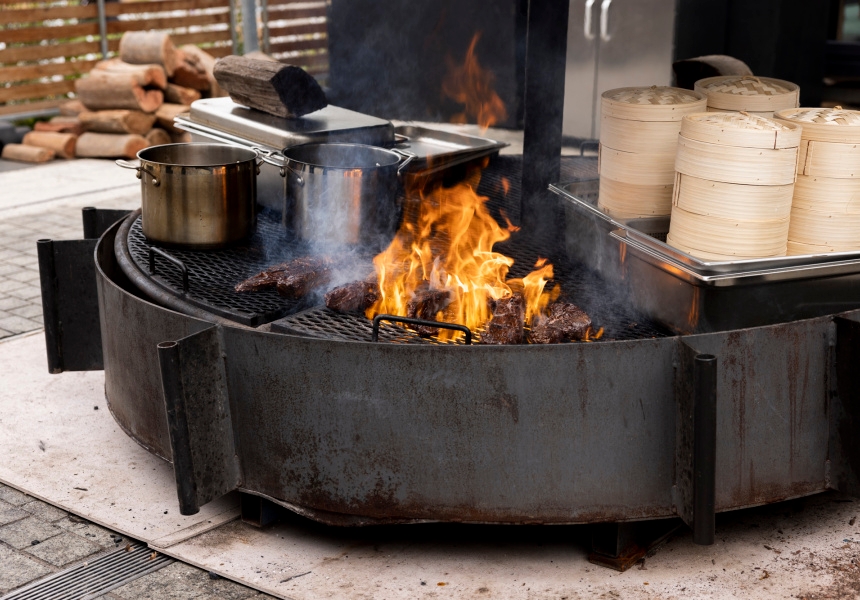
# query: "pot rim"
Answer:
x=394 y=157
x=244 y=155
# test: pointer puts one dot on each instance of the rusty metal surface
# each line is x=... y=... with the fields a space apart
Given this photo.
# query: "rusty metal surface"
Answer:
x=131 y=328
x=844 y=388
x=358 y=433
x=198 y=417
x=772 y=420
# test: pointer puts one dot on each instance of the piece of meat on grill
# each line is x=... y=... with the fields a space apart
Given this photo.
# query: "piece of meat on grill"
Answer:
x=262 y=280
x=565 y=323
x=353 y=297
x=292 y=279
x=303 y=275
x=425 y=304
x=507 y=323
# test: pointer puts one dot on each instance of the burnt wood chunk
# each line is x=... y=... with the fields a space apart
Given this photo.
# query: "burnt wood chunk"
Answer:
x=354 y=297
x=425 y=304
x=272 y=87
x=507 y=325
x=565 y=323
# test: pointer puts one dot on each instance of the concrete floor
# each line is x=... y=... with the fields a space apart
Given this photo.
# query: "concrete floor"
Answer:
x=806 y=548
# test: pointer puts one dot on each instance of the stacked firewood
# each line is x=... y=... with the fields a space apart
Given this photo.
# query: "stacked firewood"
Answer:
x=125 y=104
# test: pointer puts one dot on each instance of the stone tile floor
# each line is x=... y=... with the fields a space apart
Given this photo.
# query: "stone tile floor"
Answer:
x=36 y=538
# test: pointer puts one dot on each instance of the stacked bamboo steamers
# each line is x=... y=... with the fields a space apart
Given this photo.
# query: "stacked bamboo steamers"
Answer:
x=825 y=211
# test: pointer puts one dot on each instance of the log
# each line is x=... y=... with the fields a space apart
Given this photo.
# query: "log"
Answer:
x=117 y=121
x=180 y=137
x=189 y=77
x=153 y=75
x=110 y=145
x=166 y=113
x=147 y=47
x=204 y=63
x=23 y=153
x=72 y=108
x=63 y=144
x=60 y=124
x=177 y=94
x=274 y=88
x=103 y=90
x=157 y=137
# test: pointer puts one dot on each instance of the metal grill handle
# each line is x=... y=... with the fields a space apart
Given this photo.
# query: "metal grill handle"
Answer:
x=410 y=321
x=181 y=265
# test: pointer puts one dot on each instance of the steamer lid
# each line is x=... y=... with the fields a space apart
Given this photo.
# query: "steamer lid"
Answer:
x=835 y=125
x=750 y=93
x=740 y=129
x=655 y=103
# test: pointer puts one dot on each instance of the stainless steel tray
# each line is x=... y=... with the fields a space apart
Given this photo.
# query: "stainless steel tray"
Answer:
x=651 y=232
x=329 y=124
x=434 y=148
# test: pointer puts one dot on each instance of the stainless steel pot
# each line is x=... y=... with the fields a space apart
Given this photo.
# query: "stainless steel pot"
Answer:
x=197 y=195
x=341 y=194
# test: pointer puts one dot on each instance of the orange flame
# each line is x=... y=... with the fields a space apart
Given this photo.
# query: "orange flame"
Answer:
x=446 y=241
x=506 y=185
x=472 y=86
x=508 y=225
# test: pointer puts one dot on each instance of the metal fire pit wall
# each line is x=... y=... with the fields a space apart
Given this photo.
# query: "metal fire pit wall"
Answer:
x=356 y=433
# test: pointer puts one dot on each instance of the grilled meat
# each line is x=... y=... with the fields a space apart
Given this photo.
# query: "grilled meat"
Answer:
x=292 y=279
x=565 y=323
x=425 y=304
x=507 y=322
x=354 y=297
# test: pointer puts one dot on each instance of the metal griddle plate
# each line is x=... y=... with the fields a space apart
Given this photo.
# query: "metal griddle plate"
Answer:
x=434 y=149
x=214 y=273
x=253 y=127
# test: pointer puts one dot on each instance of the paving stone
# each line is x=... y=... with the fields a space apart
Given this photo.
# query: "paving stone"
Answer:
x=21 y=260
x=7 y=303
x=179 y=581
x=63 y=549
x=10 y=513
x=91 y=531
x=43 y=510
x=21 y=534
x=13 y=496
x=29 y=311
x=4 y=333
x=17 y=569
x=27 y=292
x=8 y=285
x=17 y=324
x=7 y=270
x=23 y=275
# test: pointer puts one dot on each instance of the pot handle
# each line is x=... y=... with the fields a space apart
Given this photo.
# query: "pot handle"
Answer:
x=279 y=160
x=139 y=168
x=406 y=158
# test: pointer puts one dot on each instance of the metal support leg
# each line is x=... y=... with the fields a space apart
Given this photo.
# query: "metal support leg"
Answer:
x=258 y=511
x=619 y=546
x=704 y=449
x=50 y=310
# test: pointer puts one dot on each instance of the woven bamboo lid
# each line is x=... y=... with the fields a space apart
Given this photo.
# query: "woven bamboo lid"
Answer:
x=750 y=93
x=655 y=103
x=740 y=129
x=824 y=124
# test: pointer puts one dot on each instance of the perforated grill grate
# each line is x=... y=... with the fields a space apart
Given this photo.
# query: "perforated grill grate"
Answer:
x=214 y=273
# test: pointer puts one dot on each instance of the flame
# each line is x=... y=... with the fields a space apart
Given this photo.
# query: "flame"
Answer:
x=508 y=225
x=506 y=185
x=446 y=241
x=472 y=86
x=591 y=335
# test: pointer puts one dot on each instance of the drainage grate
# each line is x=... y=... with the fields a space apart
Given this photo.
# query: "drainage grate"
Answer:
x=95 y=577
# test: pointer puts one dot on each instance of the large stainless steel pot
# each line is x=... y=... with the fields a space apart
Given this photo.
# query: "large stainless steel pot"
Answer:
x=341 y=194
x=197 y=195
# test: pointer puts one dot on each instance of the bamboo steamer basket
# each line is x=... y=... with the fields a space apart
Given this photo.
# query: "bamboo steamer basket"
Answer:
x=761 y=95
x=825 y=214
x=734 y=186
x=638 y=140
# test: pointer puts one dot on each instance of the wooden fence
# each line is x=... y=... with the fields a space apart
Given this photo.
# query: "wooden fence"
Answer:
x=46 y=44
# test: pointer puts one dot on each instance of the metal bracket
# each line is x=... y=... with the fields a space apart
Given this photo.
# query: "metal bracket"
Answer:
x=696 y=442
x=98 y=220
x=844 y=398
x=194 y=383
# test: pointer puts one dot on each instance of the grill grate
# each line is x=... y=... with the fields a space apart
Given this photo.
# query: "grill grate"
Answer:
x=213 y=274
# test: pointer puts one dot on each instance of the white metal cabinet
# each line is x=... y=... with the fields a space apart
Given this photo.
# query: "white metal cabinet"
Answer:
x=611 y=44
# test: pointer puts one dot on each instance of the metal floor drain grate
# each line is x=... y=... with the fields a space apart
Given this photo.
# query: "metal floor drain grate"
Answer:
x=95 y=577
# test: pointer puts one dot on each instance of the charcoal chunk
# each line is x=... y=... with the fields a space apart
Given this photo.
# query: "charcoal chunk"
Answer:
x=565 y=323
x=354 y=297
x=508 y=321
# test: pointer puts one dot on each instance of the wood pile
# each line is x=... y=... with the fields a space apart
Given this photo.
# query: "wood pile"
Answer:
x=125 y=104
